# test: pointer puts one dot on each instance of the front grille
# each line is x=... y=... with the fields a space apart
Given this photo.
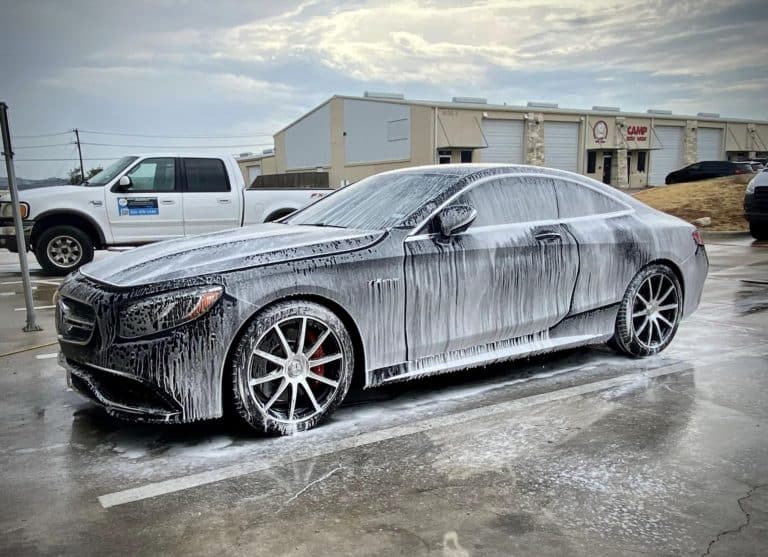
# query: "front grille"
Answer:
x=75 y=321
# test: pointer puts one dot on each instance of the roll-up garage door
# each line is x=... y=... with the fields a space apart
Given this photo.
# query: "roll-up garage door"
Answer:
x=505 y=141
x=709 y=144
x=561 y=145
x=668 y=153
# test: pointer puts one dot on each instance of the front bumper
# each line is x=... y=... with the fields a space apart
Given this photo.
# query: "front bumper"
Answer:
x=8 y=234
x=121 y=394
x=173 y=376
x=756 y=206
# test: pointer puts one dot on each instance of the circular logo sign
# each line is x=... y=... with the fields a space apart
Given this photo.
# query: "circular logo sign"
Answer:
x=122 y=202
x=600 y=131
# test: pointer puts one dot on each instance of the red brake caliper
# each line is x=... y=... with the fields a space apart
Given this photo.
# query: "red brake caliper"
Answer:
x=319 y=353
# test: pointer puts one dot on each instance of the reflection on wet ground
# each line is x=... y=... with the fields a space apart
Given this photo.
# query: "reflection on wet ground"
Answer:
x=578 y=453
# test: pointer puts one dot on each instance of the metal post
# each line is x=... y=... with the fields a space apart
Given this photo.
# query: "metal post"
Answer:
x=20 y=242
x=80 y=154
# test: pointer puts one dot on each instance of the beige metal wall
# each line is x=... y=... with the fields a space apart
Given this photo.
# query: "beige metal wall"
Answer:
x=437 y=127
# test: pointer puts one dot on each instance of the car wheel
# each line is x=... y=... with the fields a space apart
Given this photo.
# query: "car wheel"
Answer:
x=649 y=313
x=292 y=367
x=63 y=249
x=758 y=232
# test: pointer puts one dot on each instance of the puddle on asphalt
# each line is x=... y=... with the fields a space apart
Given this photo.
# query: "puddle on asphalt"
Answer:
x=751 y=297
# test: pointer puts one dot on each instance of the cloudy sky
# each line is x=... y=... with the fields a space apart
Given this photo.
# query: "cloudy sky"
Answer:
x=237 y=71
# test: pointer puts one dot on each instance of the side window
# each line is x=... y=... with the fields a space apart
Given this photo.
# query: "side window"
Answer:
x=696 y=166
x=575 y=200
x=154 y=175
x=206 y=175
x=511 y=200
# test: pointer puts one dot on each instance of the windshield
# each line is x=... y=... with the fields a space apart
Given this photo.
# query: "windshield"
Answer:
x=110 y=172
x=376 y=203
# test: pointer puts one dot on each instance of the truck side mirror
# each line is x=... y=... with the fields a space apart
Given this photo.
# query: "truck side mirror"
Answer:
x=124 y=184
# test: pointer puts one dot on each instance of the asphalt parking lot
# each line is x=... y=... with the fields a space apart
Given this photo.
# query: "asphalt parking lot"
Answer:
x=579 y=453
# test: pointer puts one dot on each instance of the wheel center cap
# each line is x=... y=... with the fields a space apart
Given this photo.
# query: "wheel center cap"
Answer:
x=295 y=368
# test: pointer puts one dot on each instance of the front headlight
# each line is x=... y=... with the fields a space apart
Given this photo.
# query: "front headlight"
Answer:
x=751 y=185
x=6 y=210
x=165 y=311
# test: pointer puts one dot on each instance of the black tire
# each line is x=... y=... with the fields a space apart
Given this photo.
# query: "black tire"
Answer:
x=644 y=329
x=759 y=232
x=296 y=398
x=74 y=247
x=277 y=215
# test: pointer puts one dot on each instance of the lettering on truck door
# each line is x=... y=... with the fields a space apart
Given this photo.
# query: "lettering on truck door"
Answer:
x=150 y=208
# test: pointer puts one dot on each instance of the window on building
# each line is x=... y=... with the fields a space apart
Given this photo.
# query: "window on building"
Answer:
x=206 y=175
x=591 y=162
x=444 y=157
x=575 y=200
x=511 y=200
x=641 y=159
x=466 y=156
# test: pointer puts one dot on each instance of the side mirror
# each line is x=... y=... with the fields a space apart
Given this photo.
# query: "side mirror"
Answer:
x=125 y=183
x=454 y=220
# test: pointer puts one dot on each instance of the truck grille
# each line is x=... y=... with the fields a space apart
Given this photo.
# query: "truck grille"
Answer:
x=761 y=200
x=75 y=321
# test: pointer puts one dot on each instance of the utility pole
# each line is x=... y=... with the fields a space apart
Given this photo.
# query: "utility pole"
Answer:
x=80 y=154
x=20 y=242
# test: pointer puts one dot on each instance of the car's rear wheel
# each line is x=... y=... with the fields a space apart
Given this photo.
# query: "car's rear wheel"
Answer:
x=292 y=367
x=759 y=232
x=650 y=312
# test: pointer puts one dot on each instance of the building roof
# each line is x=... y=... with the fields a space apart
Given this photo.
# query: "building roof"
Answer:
x=596 y=110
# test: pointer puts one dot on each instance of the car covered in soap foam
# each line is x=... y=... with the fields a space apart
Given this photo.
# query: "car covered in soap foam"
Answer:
x=402 y=275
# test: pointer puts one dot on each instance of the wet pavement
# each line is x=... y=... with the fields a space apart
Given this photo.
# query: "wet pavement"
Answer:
x=578 y=453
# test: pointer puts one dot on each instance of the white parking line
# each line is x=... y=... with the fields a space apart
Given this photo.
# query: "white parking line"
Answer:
x=305 y=451
x=46 y=356
x=36 y=307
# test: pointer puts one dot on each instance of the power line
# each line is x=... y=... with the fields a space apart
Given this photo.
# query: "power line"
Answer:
x=73 y=159
x=258 y=134
x=41 y=135
x=175 y=146
x=41 y=146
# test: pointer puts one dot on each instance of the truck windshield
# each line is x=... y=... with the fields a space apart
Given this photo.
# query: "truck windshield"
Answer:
x=376 y=203
x=110 y=172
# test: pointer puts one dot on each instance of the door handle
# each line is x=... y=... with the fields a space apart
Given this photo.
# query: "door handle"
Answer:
x=224 y=201
x=167 y=201
x=547 y=236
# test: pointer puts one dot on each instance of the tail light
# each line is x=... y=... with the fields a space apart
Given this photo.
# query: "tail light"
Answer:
x=697 y=238
x=738 y=171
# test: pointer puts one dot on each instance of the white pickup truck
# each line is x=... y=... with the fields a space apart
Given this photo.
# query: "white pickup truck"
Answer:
x=141 y=199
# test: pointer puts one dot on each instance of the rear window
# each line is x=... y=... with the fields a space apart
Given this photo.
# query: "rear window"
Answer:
x=206 y=175
x=744 y=167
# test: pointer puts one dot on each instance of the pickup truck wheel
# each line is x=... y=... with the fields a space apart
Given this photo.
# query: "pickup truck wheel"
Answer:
x=63 y=249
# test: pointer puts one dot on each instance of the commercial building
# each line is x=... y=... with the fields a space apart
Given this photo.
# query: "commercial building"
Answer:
x=253 y=165
x=354 y=137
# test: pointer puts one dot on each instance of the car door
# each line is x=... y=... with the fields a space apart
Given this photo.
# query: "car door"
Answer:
x=509 y=275
x=609 y=251
x=150 y=209
x=211 y=201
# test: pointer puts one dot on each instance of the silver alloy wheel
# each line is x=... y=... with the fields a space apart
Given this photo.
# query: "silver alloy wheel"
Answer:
x=64 y=251
x=278 y=364
x=655 y=311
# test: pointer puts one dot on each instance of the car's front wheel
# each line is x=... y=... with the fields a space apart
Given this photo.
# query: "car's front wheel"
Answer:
x=650 y=312
x=292 y=367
